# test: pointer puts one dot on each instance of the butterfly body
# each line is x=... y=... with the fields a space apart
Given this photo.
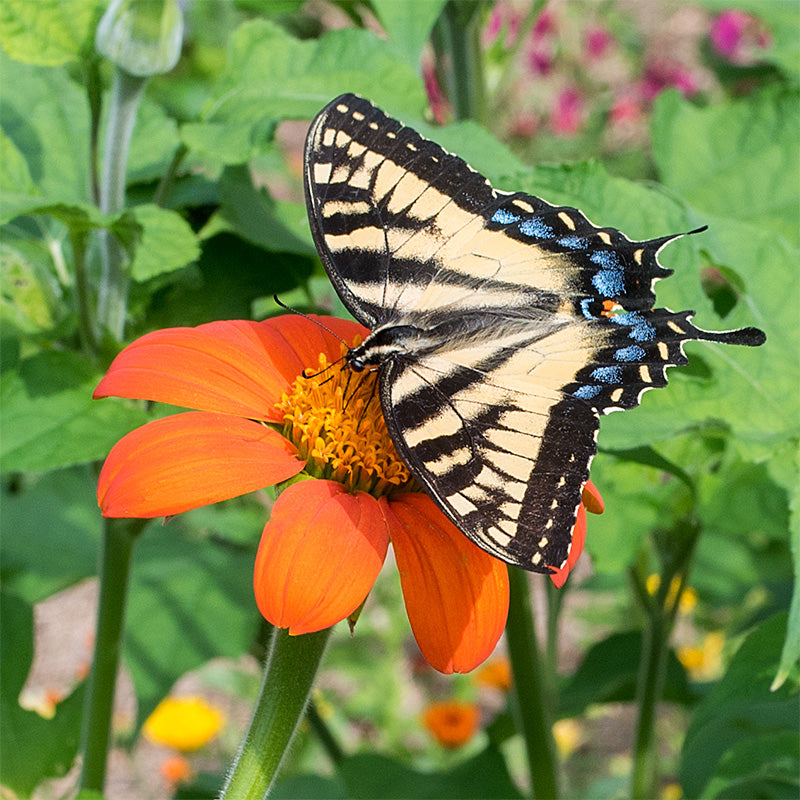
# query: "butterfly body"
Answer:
x=502 y=326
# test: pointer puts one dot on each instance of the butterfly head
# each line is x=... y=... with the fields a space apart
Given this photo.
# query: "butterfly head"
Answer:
x=383 y=344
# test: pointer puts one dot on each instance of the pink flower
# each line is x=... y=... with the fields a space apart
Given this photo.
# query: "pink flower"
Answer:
x=597 y=41
x=567 y=117
x=662 y=75
x=736 y=36
x=624 y=110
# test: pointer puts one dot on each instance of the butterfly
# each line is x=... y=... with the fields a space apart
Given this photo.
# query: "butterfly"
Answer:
x=502 y=326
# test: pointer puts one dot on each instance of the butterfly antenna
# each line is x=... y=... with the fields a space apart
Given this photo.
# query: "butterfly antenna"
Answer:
x=309 y=318
x=363 y=414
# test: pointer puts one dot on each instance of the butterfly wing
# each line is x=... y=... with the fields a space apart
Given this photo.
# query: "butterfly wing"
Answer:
x=536 y=321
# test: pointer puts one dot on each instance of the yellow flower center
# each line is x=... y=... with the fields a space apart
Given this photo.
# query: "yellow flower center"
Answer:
x=334 y=418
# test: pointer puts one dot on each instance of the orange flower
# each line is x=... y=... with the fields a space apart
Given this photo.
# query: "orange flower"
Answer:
x=452 y=722
x=495 y=674
x=260 y=421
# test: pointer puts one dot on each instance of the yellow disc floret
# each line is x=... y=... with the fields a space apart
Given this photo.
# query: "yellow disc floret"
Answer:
x=333 y=415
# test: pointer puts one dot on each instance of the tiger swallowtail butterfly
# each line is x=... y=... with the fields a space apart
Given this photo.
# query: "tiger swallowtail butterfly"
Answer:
x=502 y=326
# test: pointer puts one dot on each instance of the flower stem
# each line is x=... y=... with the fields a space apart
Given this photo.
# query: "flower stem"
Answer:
x=531 y=706
x=288 y=676
x=113 y=294
x=456 y=39
x=118 y=541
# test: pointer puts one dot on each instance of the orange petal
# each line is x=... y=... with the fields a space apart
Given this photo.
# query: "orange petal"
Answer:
x=456 y=595
x=319 y=555
x=236 y=367
x=559 y=575
x=591 y=499
x=190 y=460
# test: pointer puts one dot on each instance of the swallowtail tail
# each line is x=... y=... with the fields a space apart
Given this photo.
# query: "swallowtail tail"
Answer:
x=502 y=326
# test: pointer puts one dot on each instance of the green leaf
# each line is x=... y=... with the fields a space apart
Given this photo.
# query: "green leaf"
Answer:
x=191 y=599
x=48 y=32
x=254 y=215
x=409 y=24
x=790 y=655
x=41 y=748
x=45 y=114
x=740 y=710
x=14 y=174
x=168 y=242
x=155 y=139
x=49 y=419
x=764 y=767
x=28 y=302
x=739 y=159
x=483 y=776
x=51 y=533
x=271 y=76
x=608 y=674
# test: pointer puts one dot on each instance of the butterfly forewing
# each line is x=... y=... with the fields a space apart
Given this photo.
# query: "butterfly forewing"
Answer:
x=506 y=325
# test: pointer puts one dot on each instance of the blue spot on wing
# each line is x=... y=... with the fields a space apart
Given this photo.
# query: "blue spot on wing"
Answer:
x=641 y=329
x=587 y=392
x=536 y=228
x=609 y=282
x=572 y=242
x=632 y=353
x=607 y=374
x=504 y=217
x=607 y=259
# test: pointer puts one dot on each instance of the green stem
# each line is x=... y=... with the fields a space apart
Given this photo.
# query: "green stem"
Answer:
x=112 y=300
x=168 y=180
x=118 y=541
x=650 y=689
x=531 y=705
x=94 y=96
x=288 y=676
x=676 y=560
x=457 y=43
x=86 y=330
x=323 y=732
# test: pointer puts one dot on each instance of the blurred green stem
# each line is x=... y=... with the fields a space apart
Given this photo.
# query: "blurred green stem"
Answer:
x=288 y=677
x=456 y=40
x=119 y=538
x=323 y=732
x=529 y=692
x=112 y=301
x=168 y=180
x=661 y=611
x=82 y=294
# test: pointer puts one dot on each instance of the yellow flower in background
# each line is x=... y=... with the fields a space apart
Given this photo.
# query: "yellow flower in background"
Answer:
x=185 y=723
x=495 y=674
x=568 y=735
x=452 y=722
x=671 y=791
x=703 y=662
x=688 y=597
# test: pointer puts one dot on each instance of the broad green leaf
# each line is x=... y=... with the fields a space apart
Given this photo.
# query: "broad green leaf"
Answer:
x=783 y=21
x=608 y=674
x=155 y=139
x=740 y=159
x=764 y=767
x=409 y=24
x=48 y=32
x=168 y=242
x=228 y=277
x=46 y=115
x=272 y=76
x=34 y=748
x=49 y=419
x=190 y=600
x=254 y=215
x=790 y=655
x=370 y=775
x=51 y=533
x=14 y=174
x=740 y=710
x=28 y=302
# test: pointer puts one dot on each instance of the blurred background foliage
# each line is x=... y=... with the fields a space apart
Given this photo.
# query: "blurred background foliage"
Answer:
x=653 y=117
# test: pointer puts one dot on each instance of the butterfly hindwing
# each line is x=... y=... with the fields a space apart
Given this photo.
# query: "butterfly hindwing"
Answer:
x=503 y=326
